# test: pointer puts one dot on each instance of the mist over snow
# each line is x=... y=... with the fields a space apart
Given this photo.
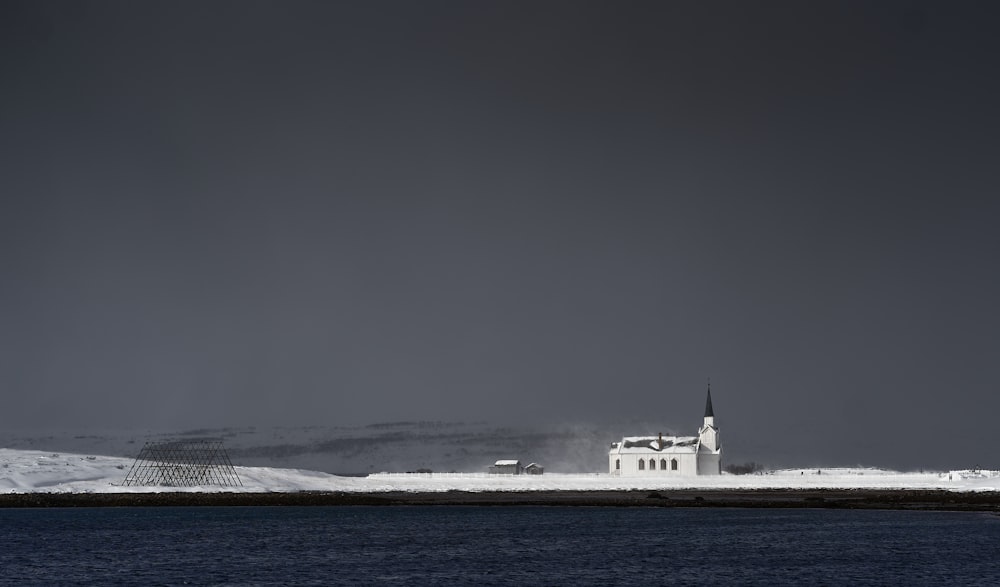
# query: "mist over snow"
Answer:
x=359 y=450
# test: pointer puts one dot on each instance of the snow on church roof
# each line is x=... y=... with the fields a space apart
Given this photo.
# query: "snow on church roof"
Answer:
x=651 y=444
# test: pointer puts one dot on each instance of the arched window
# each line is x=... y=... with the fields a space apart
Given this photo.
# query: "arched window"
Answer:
x=652 y=464
x=673 y=464
x=663 y=464
x=642 y=465
x=618 y=464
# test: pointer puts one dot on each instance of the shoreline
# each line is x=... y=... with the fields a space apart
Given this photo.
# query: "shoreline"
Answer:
x=859 y=499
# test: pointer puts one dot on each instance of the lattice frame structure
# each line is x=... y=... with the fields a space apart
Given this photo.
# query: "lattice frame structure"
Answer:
x=183 y=463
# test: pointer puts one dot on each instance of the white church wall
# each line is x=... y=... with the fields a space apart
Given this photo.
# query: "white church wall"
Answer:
x=628 y=464
x=710 y=464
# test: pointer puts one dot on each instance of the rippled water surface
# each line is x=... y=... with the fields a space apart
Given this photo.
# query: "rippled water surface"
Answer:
x=495 y=546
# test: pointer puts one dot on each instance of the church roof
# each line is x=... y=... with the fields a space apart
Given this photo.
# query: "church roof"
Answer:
x=708 y=404
x=651 y=445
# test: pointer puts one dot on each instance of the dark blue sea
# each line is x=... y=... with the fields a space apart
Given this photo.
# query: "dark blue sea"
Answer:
x=494 y=546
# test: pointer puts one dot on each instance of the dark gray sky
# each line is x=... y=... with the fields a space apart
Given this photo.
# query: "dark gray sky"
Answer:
x=284 y=213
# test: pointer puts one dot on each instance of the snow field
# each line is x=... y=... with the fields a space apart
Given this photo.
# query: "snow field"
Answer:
x=24 y=471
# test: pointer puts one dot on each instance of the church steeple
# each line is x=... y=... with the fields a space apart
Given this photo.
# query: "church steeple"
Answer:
x=709 y=434
x=708 y=403
x=709 y=443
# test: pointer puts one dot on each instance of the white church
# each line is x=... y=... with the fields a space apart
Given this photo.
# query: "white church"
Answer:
x=670 y=455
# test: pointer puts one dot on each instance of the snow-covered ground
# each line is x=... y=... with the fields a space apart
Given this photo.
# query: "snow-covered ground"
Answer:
x=25 y=471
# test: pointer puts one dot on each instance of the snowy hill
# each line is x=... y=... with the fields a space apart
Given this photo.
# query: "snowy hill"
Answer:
x=25 y=471
x=359 y=450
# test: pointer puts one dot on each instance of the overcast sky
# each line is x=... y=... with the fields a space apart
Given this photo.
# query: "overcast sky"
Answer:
x=284 y=213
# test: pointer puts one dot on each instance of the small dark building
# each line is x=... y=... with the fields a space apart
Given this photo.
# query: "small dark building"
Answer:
x=506 y=467
x=534 y=469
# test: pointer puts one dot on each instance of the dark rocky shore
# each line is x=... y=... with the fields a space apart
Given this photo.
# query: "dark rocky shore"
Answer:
x=759 y=498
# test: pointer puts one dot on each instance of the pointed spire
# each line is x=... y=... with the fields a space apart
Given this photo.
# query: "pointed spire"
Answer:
x=708 y=403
